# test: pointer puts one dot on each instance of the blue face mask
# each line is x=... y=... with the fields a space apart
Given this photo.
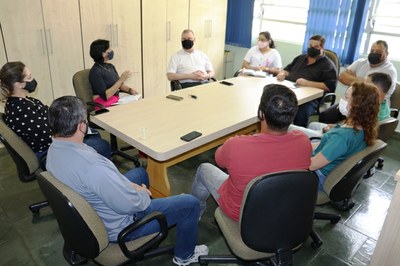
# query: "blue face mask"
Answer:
x=110 y=55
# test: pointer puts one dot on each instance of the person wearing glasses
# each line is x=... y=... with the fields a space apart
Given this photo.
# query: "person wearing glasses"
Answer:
x=191 y=67
x=104 y=78
x=263 y=56
x=28 y=116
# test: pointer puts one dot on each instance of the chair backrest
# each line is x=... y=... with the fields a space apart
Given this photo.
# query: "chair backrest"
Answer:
x=345 y=178
x=278 y=210
x=82 y=86
x=175 y=85
x=334 y=58
x=82 y=229
x=386 y=128
x=24 y=158
x=395 y=101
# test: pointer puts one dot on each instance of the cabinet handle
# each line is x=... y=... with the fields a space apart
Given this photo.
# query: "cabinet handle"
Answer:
x=116 y=34
x=110 y=31
x=210 y=28
x=51 y=42
x=168 y=31
x=43 y=44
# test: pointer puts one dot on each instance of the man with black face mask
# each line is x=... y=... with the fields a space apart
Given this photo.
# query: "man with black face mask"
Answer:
x=189 y=65
x=312 y=69
x=377 y=61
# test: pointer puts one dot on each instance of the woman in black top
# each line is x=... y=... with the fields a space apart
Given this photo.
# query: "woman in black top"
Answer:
x=104 y=78
x=27 y=116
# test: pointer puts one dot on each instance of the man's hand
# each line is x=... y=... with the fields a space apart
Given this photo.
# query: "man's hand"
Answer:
x=142 y=187
x=281 y=76
x=301 y=82
x=199 y=75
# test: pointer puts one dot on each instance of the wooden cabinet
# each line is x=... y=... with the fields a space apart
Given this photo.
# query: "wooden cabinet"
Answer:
x=118 y=21
x=63 y=41
x=3 y=58
x=53 y=37
x=36 y=32
x=24 y=40
x=207 y=19
x=164 y=22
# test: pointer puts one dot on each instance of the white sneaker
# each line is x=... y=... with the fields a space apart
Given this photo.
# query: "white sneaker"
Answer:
x=198 y=251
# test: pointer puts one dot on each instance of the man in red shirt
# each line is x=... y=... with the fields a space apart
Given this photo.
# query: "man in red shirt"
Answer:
x=246 y=157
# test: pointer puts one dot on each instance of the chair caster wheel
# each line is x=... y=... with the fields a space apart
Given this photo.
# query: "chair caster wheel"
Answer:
x=316 y=244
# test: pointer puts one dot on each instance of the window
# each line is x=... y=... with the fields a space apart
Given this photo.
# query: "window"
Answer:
x=284 y=19
x=383 y=24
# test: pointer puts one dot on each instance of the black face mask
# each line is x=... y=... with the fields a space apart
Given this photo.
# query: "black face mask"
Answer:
x=313 y=52
x=110 y=55
x=31 y=85
x=187 y=44
x=374 y=58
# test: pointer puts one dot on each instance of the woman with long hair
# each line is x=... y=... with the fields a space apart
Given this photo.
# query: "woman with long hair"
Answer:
x=357 y=132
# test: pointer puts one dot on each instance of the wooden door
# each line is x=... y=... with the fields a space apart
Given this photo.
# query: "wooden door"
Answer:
x=207 y=19
x=154 y=34
x=25 y=40
x=126 y=40
x=96 y=23
x=64 y=43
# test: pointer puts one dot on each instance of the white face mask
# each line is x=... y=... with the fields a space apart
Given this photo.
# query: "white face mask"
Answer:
x=262 y=45
x=343 y=107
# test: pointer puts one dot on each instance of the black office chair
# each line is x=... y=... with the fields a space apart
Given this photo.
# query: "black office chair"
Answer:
x=395 y=102
x=83 y=89
x=85 y=236
x=342 y=182
x=276 y=219
x=26 y=162
x=176 y=85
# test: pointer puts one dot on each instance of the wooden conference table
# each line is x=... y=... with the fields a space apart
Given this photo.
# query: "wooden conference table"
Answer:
x=218 y=112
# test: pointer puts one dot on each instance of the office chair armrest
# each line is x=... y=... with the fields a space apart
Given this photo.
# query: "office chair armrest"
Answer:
x=315 y=138
x=394 y=112
x=152 y=243
x=213 y=79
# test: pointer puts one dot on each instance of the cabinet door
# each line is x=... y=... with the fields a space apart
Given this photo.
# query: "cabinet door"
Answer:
x=24 y=39
x=3 y=58
x=207 y=19
x=163 y=23
x=96 y=23
x=64 y=43
x=154 y=47
x=126 y=40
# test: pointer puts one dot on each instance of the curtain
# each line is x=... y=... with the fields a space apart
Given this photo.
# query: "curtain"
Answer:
x=341 y=22
x=239 y=22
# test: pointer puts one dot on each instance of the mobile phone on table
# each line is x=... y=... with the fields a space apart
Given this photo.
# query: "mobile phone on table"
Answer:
x=226 y=83
x=174 y=97
x=190 y=136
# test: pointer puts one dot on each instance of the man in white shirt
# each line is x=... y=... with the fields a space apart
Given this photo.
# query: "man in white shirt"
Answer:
x=359 y=70
x=189 y=65
x=377 y=61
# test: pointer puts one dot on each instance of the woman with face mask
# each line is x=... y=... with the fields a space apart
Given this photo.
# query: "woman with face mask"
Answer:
x=27 y=116
x=263 y=56
x=104 y=78
x=357 y=132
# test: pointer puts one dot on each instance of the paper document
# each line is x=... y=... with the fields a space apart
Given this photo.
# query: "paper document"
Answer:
x=128 y=99
x=251 y=72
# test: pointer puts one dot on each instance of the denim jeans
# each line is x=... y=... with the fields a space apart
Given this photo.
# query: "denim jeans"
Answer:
x=207 y=181
x=304 y=112
x=100 y=145
x=321 y=178
x=181 y=210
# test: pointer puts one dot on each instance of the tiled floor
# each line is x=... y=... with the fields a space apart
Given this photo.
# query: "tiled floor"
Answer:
x=30 y=240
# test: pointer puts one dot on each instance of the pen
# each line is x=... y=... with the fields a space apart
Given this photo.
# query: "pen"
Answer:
x=193 y=96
